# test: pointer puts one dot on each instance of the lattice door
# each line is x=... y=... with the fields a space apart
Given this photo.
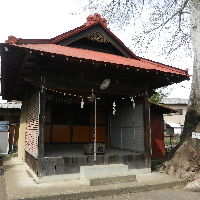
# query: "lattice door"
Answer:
x=32 y=125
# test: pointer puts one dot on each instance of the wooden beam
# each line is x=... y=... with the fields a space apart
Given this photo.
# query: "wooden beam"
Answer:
x=97 y=68
x=42 y=114
x=62 y=80
x=147 y=132
x=87 y=86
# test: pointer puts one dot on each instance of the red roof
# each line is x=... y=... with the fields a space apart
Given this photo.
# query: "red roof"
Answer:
x=164 y=109
x=101 y=57
x=91 y=21
x=50 y=46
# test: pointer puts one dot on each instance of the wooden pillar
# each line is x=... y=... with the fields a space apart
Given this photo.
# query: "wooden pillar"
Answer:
x=42 y=115
x=22 y=127
x=147 y=127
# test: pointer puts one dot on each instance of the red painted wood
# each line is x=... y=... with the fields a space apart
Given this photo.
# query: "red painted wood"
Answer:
x=157 y=134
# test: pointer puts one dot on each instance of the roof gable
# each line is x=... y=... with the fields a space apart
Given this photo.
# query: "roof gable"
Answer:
x=94 y=35
x=96 y=41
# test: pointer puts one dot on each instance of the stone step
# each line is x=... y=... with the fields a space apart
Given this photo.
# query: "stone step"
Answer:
x=110 y=179
x=106 y=174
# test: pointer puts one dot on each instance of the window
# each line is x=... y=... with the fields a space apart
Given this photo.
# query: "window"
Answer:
x=180 y=112
x=80 y=115
x=61 y=114
x=16 y=120
x=70 y=114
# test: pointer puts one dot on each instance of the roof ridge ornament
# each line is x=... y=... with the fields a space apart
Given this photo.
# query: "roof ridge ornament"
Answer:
x=96 y=18
x=97 y=36
x=12 y=40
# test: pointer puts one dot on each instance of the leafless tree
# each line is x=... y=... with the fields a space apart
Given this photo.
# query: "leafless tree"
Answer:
x=177 y=23
x=150 y=22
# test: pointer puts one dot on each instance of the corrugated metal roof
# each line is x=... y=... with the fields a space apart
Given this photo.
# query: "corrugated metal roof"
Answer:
x=175 y=101
x=173 y=125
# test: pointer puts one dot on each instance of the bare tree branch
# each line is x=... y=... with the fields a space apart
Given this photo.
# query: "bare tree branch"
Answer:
x=179 y=12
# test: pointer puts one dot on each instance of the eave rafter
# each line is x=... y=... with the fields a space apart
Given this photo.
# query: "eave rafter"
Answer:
x=108 y=70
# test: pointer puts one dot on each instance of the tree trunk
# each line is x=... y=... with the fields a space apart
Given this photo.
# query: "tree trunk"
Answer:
x=184 y=161
x=192 y=119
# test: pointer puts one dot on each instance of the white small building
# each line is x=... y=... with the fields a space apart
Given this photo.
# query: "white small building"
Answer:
x=177 y=104
x=172 y=128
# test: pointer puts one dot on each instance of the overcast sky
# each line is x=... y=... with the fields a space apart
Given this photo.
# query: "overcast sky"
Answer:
x=45 y=19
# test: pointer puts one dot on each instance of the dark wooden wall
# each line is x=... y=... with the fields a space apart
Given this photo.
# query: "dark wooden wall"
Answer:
x=76 y=133
x=61 y=133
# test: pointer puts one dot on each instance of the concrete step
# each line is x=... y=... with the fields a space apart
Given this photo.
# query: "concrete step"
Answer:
x=110 y=179
x=103 y=169
x=106 y=174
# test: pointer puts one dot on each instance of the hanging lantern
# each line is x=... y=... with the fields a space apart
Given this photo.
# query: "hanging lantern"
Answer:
x=105 y=84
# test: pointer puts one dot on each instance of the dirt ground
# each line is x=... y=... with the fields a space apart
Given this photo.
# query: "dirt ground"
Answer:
x=185 y=163
x=164 y=194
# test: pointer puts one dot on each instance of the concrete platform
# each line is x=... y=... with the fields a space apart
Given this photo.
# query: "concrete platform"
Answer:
x=20 y=185
x=77 y=150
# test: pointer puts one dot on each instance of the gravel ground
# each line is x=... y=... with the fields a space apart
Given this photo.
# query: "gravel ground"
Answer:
x=3 y=194
x=172 y=193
